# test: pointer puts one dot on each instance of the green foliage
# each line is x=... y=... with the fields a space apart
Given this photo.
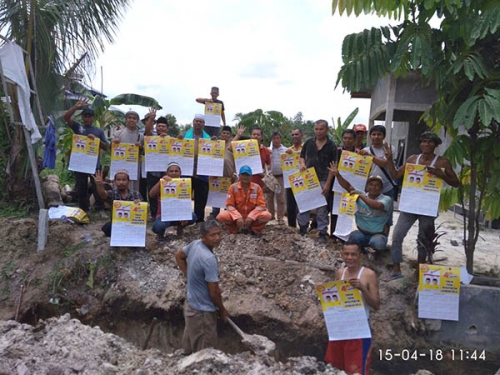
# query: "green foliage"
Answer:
x=66 y=177
x=461 y=59
x=268 y=121
x=58 y=32
x=134 y=99
x=431 y=241
x=336 y=131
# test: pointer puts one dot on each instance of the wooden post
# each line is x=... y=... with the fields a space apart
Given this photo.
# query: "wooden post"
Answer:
x=43 y=228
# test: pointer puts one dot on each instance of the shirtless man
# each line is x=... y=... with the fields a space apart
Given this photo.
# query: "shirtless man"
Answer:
x=440 y=167
x=354 y=356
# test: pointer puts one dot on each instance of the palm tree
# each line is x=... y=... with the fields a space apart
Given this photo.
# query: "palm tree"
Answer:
x=56 y=34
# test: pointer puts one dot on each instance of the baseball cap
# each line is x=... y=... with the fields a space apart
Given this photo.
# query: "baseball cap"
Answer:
x=359 y=128
x=375 y=177
x=87 y=111
x=246 y=170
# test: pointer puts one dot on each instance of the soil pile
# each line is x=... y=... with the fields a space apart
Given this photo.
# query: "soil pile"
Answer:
x=138 y=294
x=60 y=346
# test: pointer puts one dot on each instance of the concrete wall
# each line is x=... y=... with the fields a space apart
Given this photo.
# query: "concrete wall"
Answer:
x=479 y=324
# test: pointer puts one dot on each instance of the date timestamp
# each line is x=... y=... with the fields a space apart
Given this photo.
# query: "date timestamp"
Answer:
x=432 y=354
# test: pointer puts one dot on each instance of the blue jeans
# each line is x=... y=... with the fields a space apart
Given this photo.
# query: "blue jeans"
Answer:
x=159 y=227
x=375 y=241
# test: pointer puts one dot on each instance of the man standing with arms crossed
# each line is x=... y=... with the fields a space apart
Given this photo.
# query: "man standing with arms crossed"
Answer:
x=354 y=356
x=319 y=152
x=198 y=262
x=440 y=167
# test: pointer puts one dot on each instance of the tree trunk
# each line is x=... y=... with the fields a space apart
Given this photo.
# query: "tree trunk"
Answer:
x=470 y=243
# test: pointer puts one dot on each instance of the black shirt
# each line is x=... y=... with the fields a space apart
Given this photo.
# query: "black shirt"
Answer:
x=319 y=159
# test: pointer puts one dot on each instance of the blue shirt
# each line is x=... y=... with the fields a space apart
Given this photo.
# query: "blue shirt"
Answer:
x=80 y=129
x=202 y=268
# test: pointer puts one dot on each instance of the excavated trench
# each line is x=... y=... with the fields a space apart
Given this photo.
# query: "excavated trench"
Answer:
x=163 y=330
x=160 y=329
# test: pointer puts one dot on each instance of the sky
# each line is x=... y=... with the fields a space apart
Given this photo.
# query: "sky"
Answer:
x=281 y=55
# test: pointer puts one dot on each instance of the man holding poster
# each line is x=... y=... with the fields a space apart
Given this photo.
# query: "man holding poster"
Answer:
x=89 y=130
x=437 y=166
x=318 y=152
x=121 y=192
x=354 y=355
x=159 y=226
x=372 y=212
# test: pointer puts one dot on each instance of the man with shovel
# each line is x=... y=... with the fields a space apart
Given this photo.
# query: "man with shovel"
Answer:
x=198 y=262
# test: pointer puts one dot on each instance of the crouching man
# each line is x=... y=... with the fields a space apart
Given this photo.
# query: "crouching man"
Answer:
x=198 y=262
x=245 y=206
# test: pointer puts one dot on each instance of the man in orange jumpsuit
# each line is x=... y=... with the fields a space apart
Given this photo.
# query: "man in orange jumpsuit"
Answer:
x=245 y=206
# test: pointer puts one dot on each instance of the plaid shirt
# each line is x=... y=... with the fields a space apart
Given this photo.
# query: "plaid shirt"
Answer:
x=114 y=195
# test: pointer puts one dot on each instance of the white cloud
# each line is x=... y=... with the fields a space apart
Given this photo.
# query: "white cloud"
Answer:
x=274 y=55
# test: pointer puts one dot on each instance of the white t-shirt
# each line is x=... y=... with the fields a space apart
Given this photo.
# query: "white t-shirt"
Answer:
x=377 y=171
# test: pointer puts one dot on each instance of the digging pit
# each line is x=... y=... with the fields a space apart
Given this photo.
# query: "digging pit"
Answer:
x=267 y=284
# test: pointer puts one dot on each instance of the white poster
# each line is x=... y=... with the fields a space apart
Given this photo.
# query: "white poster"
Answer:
x=421 y=191
x=346 y=204
x=213 y=113
x=290 y=164
x=156 y=151
x=438 y=292
x=128 y=226
x=344 y=311
x=211 y=157
x=182 y=152
x=218 y=191
x=247 y=153
x=307 y=190
x=125 y=156
x=176 y=199
x=354 y=168
x=84 y=154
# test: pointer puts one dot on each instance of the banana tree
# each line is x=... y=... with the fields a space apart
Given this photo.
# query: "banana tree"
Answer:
x=336 y=131
x=268 y=121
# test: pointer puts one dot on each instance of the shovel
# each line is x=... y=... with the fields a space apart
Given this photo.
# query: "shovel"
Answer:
x=256 y=343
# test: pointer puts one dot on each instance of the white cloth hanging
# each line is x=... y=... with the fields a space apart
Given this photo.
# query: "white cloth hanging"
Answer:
x=11 y=56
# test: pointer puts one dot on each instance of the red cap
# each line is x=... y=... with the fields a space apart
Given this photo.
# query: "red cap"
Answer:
x=359 y=128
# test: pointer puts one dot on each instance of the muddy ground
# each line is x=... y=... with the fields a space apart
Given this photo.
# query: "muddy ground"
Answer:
x=137 y=294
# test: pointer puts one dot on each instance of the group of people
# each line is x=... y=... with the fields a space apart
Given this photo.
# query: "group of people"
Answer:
x=250 y=205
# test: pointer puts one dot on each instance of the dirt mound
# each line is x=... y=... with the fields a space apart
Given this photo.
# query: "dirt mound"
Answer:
x=60 y=346
x=138 y=294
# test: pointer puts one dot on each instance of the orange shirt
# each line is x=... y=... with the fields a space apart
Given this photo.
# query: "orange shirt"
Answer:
x=241 y=204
